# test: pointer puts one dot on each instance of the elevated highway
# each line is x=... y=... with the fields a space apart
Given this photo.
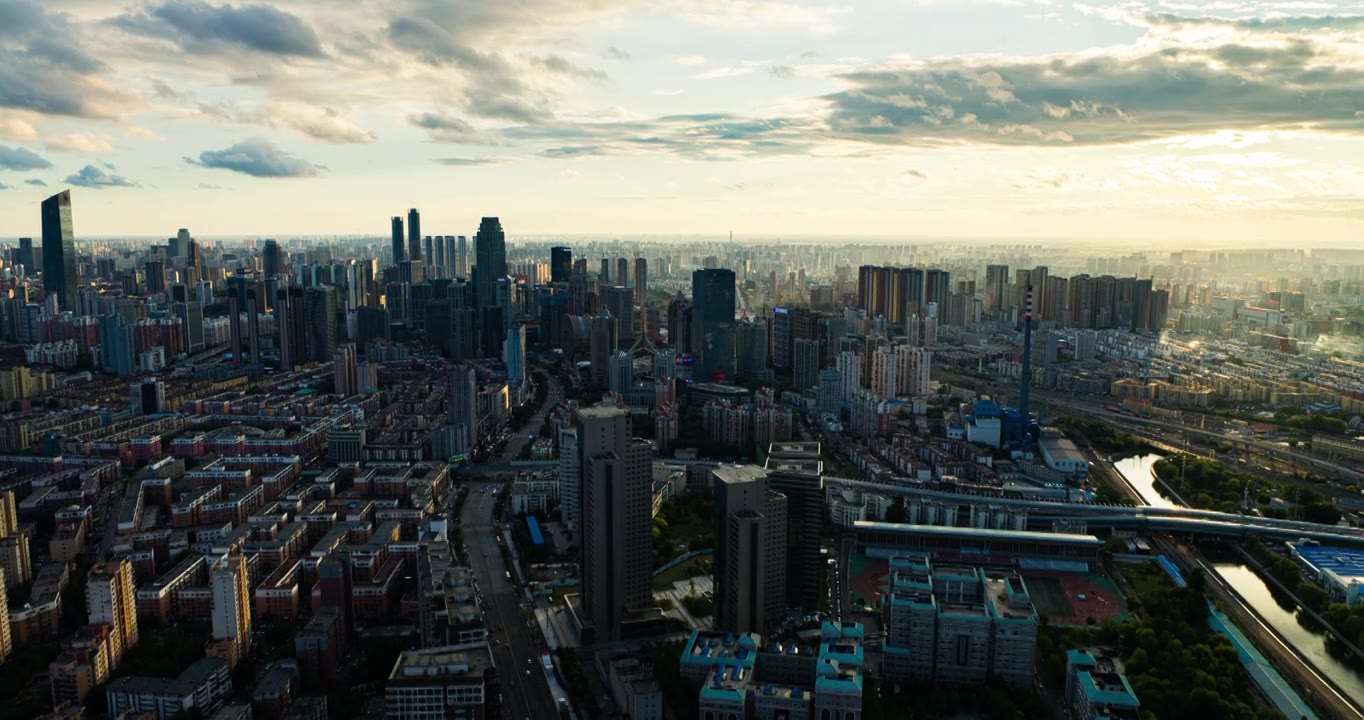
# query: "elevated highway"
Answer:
x=1174 y=520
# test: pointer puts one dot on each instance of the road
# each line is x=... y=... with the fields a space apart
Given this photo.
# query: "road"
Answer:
x=521 y=436
x=512 y=647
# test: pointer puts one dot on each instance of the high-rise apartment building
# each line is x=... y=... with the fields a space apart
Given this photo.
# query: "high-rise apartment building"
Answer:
x=514 y=354
x=712 y=336
x=996 y=289
x=229 y=583
x=59 y=250
x=6 y=642
x=750 y=550
x=795 y=470
x=752 y=343
x=616 y=499
x=345 y=370
x=915 y=365
x=110 y=599
x=806 y=363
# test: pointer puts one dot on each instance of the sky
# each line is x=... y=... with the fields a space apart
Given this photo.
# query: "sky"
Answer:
x=1155 y=123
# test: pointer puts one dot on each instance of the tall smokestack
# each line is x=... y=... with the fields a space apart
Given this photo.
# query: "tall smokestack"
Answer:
x=1023 y=392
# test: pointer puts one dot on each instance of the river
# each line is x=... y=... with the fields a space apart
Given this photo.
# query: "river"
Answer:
x=1311 y=644
x=1137 y=470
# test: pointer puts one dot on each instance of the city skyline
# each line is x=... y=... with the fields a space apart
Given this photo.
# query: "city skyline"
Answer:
x=1142 y=122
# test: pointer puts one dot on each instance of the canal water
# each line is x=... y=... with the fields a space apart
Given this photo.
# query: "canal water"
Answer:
x=1312 y=644
x=1137 y=470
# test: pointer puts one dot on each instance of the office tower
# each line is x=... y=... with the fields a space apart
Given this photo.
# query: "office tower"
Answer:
x=620 y=372
x=751 y=340
x=291 y=325
x=796 y=471
x=806 y=370
x=514 y=354
x=437 y=327
x=490 y=251
x=255 y=305
x=605 y=275
x=750 y=550
x=620 y=301
x=320 y=309
x=679 y=325
x=6 y=643
x=191 y=316
x=440 y=262
x=712 y=334
x=414 y=235
x=110 y=599
x=272 y=259
x=234 y=308
x=622 y=272
x=641 y=280
x=492 y=331
x=59 y=250
x=463 y=334
x=229 y=583
x=155 y=272
x=24 y=256
x=429 y=257
x=915 y=367
x=560 y=264
x=345 y=371
x=784 y=320
x=616 y=520
x=399 y=242
x=602 y=340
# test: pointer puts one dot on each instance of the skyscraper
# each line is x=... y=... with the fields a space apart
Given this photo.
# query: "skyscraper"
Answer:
x=414 y=235
x=750 y=550
x=641 y=280
x=462 y=258
x=806 y=365
x=514 y=354
x=399 y=243
x=461 y=409
x=429 y=257
x=272 y=259
x=320 y=310
x=345 y=370
x=795 y=470
x=560 y=264
x=292 y=325
x=228 y=582
x=751 y=351
x=996 y=289
x=490 y=251
x=712 y=335
x=24 y=256
x=616 y=556
x=110 y=599
x=155 y=271
x=59 y=250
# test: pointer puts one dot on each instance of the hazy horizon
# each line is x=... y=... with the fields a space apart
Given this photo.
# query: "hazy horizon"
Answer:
x=1147 y=122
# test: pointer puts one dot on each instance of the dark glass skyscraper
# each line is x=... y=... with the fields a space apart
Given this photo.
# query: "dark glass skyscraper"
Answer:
x=712 y=316
x=59 y=250
x=414 y=235
x=490 y=257
x=560 y=264
x=399 y=246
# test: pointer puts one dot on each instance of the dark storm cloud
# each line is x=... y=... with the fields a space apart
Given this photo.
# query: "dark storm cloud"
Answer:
x=1100 y=100
x=257 y=158
x=93 y=177
x=193 y=25
x=21 y=158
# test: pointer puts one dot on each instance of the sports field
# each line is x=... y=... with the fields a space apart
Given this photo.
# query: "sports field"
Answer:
x=1058 y=596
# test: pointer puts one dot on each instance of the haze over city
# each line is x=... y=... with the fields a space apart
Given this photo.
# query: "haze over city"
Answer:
x=1156 y=123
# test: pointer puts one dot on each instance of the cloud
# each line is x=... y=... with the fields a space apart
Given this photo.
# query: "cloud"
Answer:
x=14 y=128
x=198 y=26
x=782 y=72
x=258 y=158
x=35 y=182
x=703 y=136
x=209 y=186
x=559 y=64
x=615 y=53
x=45 y=68
x=82 y=142
x=448 y=128
x=914 y=174
x=320 y=123
x=1093 y=100
x=6 y=187
x=467 y=161
x=93 y=177
x=21 y=158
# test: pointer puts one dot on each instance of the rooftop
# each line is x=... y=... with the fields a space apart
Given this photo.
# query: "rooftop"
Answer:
x=977 y=533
